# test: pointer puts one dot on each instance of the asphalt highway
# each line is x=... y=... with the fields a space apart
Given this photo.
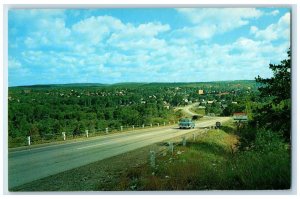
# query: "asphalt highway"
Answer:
x=35 y=163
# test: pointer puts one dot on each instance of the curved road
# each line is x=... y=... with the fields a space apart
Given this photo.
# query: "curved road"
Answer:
x=35 y=163
x=186 y=109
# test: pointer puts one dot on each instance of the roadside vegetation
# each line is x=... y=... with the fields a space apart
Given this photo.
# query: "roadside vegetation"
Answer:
x=200 y=111
x=215 y=162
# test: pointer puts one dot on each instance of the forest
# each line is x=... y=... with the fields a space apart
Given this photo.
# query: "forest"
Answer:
x=45 y=111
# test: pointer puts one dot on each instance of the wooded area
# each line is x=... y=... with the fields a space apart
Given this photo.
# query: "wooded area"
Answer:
x=45 y=111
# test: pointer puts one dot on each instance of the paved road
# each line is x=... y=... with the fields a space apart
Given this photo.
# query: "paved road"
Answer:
x=35 y=163
x=187 y=109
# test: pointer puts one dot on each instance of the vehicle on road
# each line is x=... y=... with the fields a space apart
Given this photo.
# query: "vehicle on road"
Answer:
x=218 y=125
x=186 y=123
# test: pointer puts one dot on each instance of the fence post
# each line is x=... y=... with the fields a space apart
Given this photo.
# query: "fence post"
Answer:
x=152 y=159
x=171 y=147
x=143 y=126
x=87 y=133
x=106 y=130
x=64 y=135
x=151 y=125
x=183 y=141
x=28 y=139
x=133 y=127
x=158 y=124
x=121 y=128
x=164 y=123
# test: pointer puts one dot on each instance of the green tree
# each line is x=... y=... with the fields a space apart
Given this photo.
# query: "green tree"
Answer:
x=275 y=114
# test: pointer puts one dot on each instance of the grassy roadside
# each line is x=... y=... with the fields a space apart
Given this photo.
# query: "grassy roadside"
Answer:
x=200 y=111
x=197 y=166
x=211 y=162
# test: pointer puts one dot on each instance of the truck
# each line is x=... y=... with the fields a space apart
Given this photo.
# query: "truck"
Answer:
x=186 y=123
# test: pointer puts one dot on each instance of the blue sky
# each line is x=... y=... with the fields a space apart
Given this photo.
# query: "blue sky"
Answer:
x=58 y=46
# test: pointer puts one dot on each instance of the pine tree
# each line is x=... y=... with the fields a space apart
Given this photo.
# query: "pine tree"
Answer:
x=276 y=113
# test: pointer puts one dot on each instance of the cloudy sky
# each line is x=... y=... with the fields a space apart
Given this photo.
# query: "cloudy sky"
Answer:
x=144 y=45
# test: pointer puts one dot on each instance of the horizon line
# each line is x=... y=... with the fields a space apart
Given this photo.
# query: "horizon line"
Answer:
x=110 y=84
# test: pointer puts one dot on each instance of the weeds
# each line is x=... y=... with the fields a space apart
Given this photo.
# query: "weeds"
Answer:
x=213 y=162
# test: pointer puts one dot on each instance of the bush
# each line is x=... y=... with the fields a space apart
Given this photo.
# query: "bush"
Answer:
x=267 y=165
x=268 y=141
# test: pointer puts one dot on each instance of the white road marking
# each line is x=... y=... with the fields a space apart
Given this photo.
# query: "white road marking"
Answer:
x=124 y=139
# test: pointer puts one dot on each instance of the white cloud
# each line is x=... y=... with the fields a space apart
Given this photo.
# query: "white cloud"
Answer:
x=149 y=29
x=105 y=49
x=32 y=16
x=13 y=63
x=210 y=21
x=196 y=32
x=15 y=69
x=279 y=30
x=253 y=29
x=140 y=37
x=273 y=13
x=96 y=29
x=48 y=33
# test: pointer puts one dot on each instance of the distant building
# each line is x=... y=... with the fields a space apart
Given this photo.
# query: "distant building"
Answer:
x=200 y=92
x=210 y=102
x=234 y=102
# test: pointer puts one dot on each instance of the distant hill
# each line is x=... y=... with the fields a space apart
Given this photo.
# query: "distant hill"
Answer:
x=62 y=85
x=137 y=84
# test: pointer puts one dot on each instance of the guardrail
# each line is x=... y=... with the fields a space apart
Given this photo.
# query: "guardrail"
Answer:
x=69 y=135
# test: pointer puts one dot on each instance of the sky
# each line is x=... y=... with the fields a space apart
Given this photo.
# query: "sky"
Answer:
x=58 y=46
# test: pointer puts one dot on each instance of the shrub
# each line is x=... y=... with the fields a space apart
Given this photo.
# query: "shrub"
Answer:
x=267 y=165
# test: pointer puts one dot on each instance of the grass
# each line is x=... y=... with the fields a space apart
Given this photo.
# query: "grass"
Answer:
x=200 y=111
x=211 y=162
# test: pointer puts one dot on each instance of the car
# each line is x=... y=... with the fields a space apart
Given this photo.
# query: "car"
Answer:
x=186 y=123
x=218 y=125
